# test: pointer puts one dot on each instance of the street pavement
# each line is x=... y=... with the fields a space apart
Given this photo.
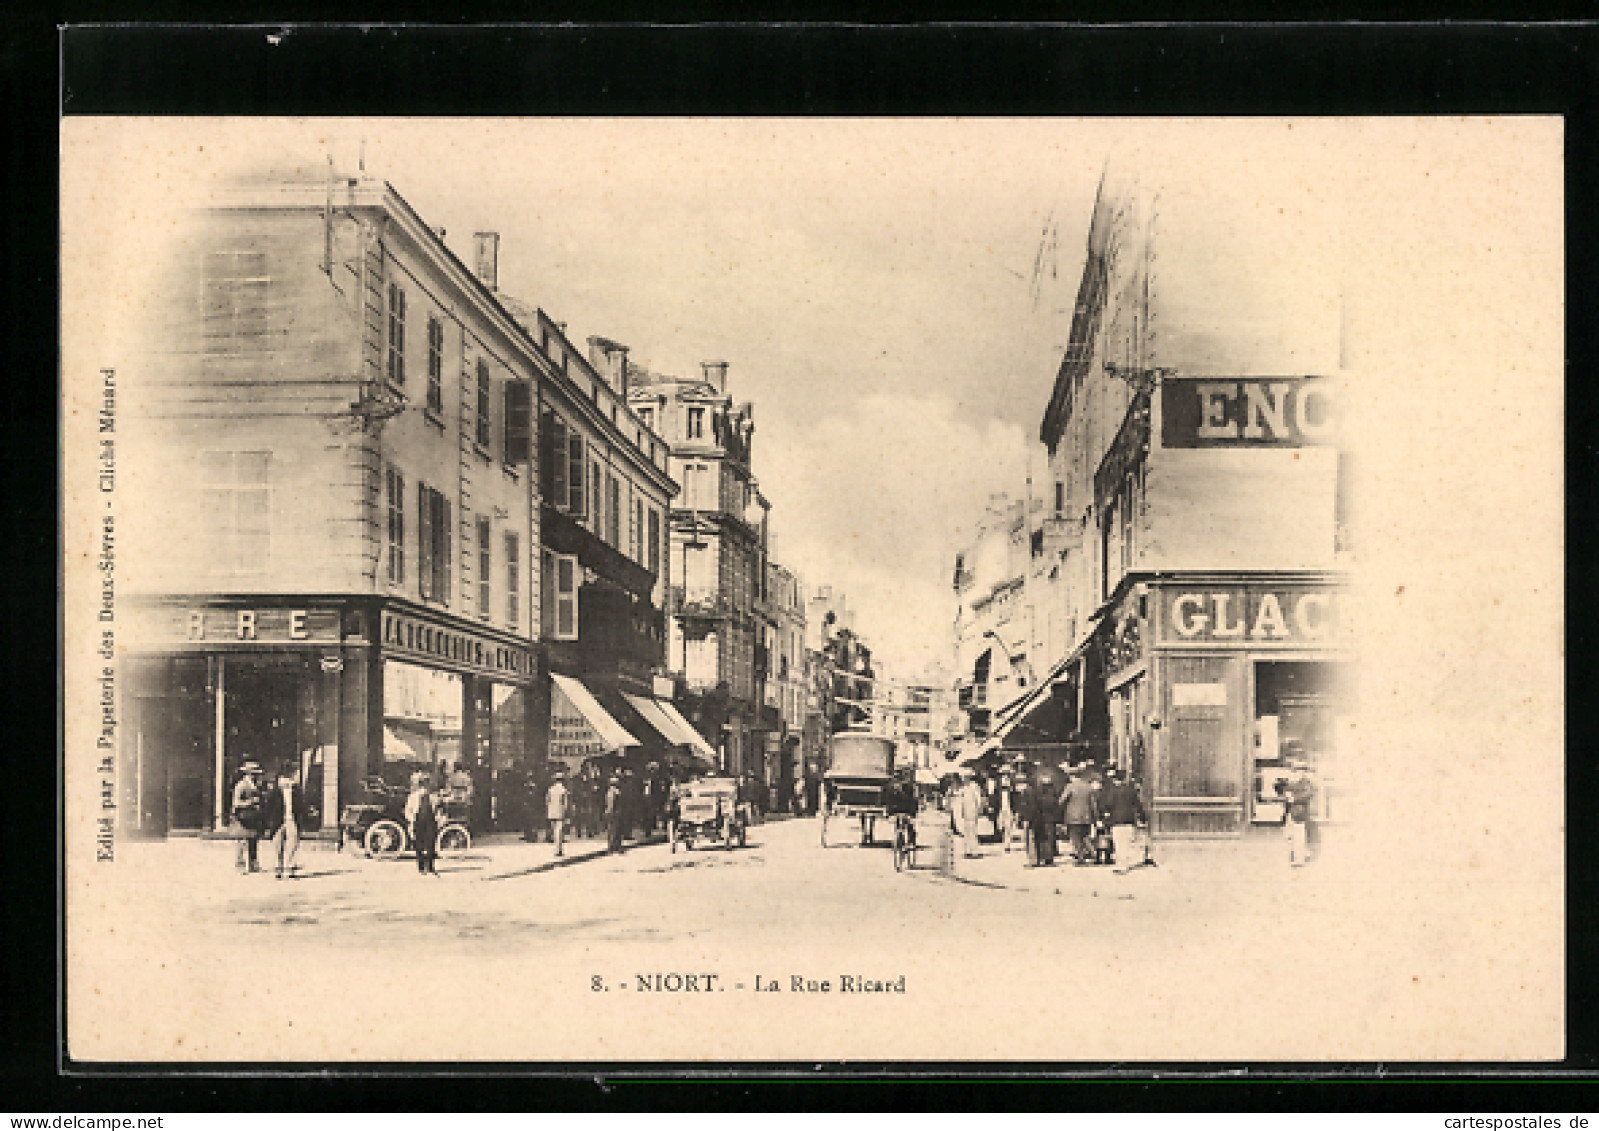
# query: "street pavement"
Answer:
x=1220 y=951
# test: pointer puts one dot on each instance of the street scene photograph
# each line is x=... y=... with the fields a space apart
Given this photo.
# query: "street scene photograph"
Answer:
x=788 y=590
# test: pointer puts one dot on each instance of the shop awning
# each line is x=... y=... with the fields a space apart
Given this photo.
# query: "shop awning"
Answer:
x=611 y=732
x=695 y=740
x=1039 y=699
x=653 y=711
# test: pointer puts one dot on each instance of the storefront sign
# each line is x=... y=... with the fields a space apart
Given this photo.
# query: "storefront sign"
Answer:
x=572 y=738
x=1251 y=615
x=213 y=626
x=405 y=636
x=1292 y=412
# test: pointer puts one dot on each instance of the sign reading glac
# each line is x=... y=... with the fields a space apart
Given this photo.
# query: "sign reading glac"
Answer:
x=1252 y=615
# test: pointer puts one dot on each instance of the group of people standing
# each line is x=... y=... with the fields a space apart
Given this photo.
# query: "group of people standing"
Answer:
x=1101 y=810
x=274 y=812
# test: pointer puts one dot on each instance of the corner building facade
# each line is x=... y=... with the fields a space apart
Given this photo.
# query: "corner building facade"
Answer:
x=1199 y=528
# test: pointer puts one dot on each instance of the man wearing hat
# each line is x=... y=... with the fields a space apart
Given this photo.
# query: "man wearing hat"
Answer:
x=247 y=816
x=556 y=801
x=613 y=813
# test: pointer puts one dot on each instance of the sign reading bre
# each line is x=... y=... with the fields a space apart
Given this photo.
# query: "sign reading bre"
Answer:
x=1290 y=412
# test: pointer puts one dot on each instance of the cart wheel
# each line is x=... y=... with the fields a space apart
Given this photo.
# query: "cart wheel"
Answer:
x=385 y=839
x=453 y=840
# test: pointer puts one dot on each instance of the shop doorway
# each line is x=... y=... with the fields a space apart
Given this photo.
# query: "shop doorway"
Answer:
x=422 y=712
x=271 y=717
x=169 y=771
x=1298 y=707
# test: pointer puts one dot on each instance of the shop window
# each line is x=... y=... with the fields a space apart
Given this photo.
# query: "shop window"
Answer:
x=485 y=564
x=483 y=417
x=433 y=545
x=236 y=510
x=513 y=579
x=435 y=364
x=395 y=484
x=396 y=370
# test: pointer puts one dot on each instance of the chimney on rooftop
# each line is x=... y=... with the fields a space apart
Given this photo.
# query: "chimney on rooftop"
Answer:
x=716 y=374
x=486 y=263
x=609 y=359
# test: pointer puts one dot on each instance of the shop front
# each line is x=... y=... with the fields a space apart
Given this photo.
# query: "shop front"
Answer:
x=456 y=704
x=208 y=685
x=1219 y=685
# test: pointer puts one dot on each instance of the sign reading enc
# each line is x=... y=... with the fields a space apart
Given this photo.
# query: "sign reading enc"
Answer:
x=1261 y=412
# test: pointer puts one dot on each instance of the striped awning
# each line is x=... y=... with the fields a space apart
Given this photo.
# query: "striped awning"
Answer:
x=611 y=732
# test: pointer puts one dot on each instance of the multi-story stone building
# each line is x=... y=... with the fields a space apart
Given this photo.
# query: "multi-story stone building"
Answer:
x=995 y=615
x=338 y=564
x=786 y=684
x=717 y=627
x=1198 y=535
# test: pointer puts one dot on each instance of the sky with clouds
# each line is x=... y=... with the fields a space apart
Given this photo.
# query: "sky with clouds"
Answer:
x=882 y=290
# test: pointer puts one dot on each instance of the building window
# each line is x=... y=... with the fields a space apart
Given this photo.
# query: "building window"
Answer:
x=1060 y=499
x=635 y=523
x=395 y=484
x=696 y=424
x=598 y=513
x=235 y=298
x=482 y=403
x=655 y=541
x=485 y=564
x=396 y=334
x=558 y=606
x=646 y=417
x=236 y=510
x=435 y=364
x=518 y=422
x=613 y=514
x=433 y=545
x=575 y=463
x=513 y=579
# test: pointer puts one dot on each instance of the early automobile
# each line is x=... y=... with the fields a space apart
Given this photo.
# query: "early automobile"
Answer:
x=377 y=823
x=859 y=782
x=708 y=810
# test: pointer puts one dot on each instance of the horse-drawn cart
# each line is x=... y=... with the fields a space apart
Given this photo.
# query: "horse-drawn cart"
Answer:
x=858 y=783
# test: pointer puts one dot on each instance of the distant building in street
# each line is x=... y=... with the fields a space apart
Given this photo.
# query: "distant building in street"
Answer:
x=994 y=619
x=786 y=685
x=716 y=635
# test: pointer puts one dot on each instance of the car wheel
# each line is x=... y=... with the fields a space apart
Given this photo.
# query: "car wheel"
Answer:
x=453 y=840
x=384 y=839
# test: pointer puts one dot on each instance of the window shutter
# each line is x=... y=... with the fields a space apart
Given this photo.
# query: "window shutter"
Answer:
x=547 y=461
x=424 y=540
x=565 y=597
x=574 y=459
x=518 y=422
x=444 y=548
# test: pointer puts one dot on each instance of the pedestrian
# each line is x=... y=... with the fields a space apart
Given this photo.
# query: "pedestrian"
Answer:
x=423 y=818
x=1298 y=790
x=613 y=814
x=282 y=816
x=1007 y=808
x=1124 y=812
x=247 y=816
x=969 y=808
x=1081 y=804
x=1025 y=806
x=556 y=800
